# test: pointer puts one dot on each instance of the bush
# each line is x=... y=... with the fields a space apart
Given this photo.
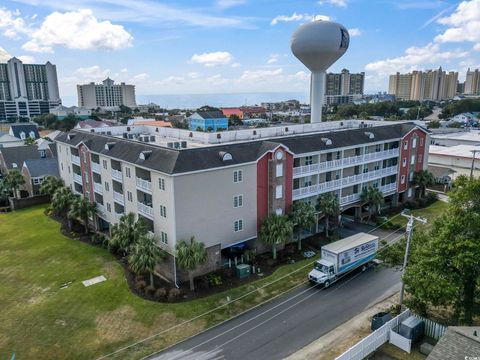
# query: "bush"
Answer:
x=140 y=285
x=431 y=197
x=422 y=203
x=160 y=294
x=214 y=280
x=174 y=294
x=98 y=239
x=150 y=290
x=410 y=204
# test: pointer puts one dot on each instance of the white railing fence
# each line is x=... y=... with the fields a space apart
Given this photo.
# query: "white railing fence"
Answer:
x=433 y=329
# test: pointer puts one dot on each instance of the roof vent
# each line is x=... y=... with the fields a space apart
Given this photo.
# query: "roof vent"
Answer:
x=190 y=135
x=70 y=136
x=144 y=155
x=225 y=156
x=219 y=136
x=109 y=145
x=370 y=135
x=327 y=141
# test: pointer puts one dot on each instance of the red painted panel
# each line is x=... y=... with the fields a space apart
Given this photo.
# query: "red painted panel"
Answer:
x=288 y=182
x=418 y=151
x=262 y=188
x=85 y=167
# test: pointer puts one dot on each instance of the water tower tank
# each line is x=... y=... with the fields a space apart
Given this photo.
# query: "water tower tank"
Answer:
x=318 y=44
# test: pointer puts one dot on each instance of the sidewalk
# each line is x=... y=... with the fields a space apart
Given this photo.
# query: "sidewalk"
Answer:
x=346 y=335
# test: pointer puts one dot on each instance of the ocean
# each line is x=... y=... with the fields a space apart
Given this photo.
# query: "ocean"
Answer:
x=193 y=101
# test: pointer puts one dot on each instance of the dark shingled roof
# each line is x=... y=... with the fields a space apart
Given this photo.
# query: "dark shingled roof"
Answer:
x=42 y=167
x=26 y=128
x=18 y=154
x=172 y=161
x=211 y=114
x=53 y=149
x=458 y=343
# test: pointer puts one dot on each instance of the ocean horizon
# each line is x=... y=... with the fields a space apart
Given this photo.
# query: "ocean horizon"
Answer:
x=194 y=101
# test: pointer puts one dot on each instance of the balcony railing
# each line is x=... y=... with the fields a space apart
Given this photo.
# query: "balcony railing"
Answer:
x=98 y=188
x=349 y=199
x=77 y=178
x=339 y=183
x=76 y=159
x=100 y=209
x=118 y=197
x=117 y=174
x=345 y=162
x=96 y=167
x=145 y=210
x=118 y=215
x=143 y=184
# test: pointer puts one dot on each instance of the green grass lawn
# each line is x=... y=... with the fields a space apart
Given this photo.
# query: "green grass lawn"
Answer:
x=38 y=320
x=430 y=213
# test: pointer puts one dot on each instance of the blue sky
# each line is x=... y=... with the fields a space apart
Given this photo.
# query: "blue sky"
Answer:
x=214 y=46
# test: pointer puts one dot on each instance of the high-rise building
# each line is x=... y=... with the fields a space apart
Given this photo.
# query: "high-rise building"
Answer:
x=424 y=85
x=472 y=82
x=27 y=90
x=343 y=87
x=106 y=95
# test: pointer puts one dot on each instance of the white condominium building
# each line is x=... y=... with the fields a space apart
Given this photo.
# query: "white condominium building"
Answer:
x=106 y=95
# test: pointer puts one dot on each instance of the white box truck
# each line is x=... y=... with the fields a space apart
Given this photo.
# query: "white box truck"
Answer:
x=342 y=256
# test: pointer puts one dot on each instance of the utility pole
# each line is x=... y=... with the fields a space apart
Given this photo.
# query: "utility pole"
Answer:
x=474 y=152
x=409 y=233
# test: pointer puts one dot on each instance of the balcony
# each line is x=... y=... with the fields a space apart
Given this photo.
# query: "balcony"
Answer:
x=144 y=185
x=77 y=178
x=100 y=209
x=118 y=215
x=96 y=167
x=389 y=188
x=345 y=162
x=349 y=199
x=118 y=197
x=98 y=188
x=339 y=183
x=76 y=160
x=145 y=210
x=117 y=174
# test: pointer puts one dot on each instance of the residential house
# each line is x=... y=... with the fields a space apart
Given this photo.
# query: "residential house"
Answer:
x=208 y=121
x=35 y=171
x=24 y=131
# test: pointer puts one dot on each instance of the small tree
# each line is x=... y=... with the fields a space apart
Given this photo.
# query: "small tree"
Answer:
x=373 y=197
x=127 y=232
x=62 y=199
x=302 y=215
x=29 y=141
x=275 y=230
x=82 y=209
x=13 y=180
x=50 y=185
x=189 y=255
x=328 y=205
x=422 y=179
x=144 y=256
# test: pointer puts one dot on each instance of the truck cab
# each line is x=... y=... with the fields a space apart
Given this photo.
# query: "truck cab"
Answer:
x=323 y=273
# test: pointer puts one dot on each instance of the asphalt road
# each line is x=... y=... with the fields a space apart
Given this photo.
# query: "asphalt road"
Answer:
x=285 y=325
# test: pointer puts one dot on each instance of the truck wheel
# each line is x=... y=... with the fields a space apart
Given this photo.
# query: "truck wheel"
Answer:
x=327 y=284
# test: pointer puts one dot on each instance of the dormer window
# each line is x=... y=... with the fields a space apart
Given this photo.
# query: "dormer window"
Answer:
x=225 y=156
x=144 y=155
x=370 y=135
x=109 y=145
x=32 y=134
x=327 y=141
x=22 y=135
x=70 y=136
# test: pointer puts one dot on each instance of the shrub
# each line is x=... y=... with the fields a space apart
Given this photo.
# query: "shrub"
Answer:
x=214 y=280
x=98 y=239
x=150 y=290
x=410 y=204
x=431 y=197
x=140 y=285
x=139 y=278
x=161 y=294
x=174 y=294
x=422 y=202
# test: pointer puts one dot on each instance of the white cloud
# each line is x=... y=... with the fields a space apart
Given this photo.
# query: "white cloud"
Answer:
x=355 y=32
x=236 y=65
x=12 y=24
x=172 y=80
x=140 y=77
x=300 y=76
x=213 y=58
x=4 y=55
x=298 y=17
x=260 y=75
x=273 y=59
x=26 y=59
x=77 y=30
x=422 y=4
x=194 y=75
x=339 y=3
x=225 y=4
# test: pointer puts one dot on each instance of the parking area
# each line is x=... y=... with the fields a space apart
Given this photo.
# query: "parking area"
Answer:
x=352 y=227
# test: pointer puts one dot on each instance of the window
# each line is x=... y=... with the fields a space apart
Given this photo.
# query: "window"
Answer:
x=68 y=169
x=378 y=147
x=412 y=160
x=105 y=165
x=365 y=169
x=161 y=183
x=129 y=196
x=420 y=158
x=84 y=156
x=61 y=165
x=107 y=186
x=279 y=170
x=127 y=172
x=238 y=201
x=279 y=212
x=405 y=145
x=238 y=225
x=22 y=135
x=109 y=208
x=414 y=142
x=404 y=162
x=409 y=193
x=85 y=176
x=410 y=176
x=421 y=141
x=237 y=176
x=279 y=192
x=308 y=160
x=402 y=180
x=163 y=211
x=164 y=238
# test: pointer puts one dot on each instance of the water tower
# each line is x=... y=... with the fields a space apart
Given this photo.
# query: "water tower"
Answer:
x=318 y=44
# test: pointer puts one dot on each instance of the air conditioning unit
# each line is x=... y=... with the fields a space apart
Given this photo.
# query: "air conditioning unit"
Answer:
x=184 y=144
x=170 y=145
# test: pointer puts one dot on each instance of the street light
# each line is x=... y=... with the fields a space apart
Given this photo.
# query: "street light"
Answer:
x=474 y=151
x=409 y=232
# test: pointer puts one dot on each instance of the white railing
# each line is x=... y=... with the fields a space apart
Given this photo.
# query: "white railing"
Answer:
x=388 y=188
x=101 y=209
x=145 y=210
x=350 y=180
x=118 y=197
x=349 y=199
x=118 y=215
x=348 y=161
x=96 y=167
x=144 y=184
x=77 y=178
x=372 y=342
x=98 y=188
x=117 y=174
x=76 y=159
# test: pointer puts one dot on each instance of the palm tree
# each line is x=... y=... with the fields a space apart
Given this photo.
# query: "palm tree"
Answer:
x=275 y=229
x=82 y=208
x=422 y=179
x=61 y=200
x=373 y=197
x=189 y=255
x=145 y=255
x=302 y=215
x=328 y=205
x=127 y=232
x=50 y=185
x=13 y=180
